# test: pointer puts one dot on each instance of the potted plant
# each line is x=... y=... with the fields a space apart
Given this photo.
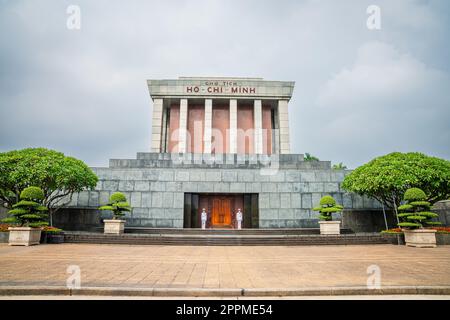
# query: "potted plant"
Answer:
x=118 y=205
x=30 y=215
x=52 y=235
x=326 y=208
x=414 y=216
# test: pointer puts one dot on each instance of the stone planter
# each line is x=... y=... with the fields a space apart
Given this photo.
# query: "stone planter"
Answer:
x=24 y=236
x=330 y=227
x=420 y=238
x=114 y=226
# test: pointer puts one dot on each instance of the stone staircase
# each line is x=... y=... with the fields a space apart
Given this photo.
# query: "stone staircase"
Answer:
x=225 y=237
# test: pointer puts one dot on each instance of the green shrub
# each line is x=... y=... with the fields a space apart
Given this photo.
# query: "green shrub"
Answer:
x=117 y=204
x=414 y=214
x=310 y=157
x=327 y=201
x=59 y=176
x=118 y=197
x=339 y=166
x=32 y=193
x=29 y=211
x=386 y=178
x=415 y=194
x=327 y=206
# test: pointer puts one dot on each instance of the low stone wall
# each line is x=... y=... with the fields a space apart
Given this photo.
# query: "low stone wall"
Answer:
x=4 y=236
x=78 y=219
x=442 y=239
x=443 y=209
x=367 y=220
x=394 y=238
x=3 y=212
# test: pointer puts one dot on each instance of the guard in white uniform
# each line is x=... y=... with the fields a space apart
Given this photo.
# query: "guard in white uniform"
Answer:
x=239 y=219
x=204 y=218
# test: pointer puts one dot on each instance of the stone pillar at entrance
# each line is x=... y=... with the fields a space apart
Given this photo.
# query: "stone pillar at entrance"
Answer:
x=208 y=126
x=257 y=112
x=183 y=126
x=284 y=126
x=233 y=126
x=157 y=125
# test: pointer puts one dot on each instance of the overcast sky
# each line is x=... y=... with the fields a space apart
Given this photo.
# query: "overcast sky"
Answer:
x=359 y=93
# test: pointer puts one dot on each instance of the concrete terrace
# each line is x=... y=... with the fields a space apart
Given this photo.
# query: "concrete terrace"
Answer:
x=223 y=268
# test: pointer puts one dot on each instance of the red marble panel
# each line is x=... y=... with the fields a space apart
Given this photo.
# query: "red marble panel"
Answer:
x=220 y=127
x=245 y=126
x=195 y=127
x=174 y=124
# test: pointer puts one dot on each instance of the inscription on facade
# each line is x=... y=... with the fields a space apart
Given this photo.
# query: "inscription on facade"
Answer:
x=220 y=87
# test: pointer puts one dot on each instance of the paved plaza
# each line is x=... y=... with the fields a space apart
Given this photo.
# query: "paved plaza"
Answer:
x=137 y=266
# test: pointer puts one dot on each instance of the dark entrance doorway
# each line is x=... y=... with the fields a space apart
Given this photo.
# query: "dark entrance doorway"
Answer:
x=221 y=210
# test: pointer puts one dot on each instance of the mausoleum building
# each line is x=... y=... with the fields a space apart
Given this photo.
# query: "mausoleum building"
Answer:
x=221 y=144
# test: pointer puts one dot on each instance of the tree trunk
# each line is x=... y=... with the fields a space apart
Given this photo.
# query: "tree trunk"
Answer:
x=50 y=215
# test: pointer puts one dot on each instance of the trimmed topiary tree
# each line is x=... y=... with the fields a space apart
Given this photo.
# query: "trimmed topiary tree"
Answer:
x=415 y=214
x=29 y=211
x=117 y=204
x=327 y=207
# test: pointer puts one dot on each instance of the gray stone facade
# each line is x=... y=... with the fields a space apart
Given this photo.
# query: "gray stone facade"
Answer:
x=155 y=185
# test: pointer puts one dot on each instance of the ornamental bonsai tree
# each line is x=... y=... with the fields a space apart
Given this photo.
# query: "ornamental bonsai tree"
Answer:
x=327 y=207
x=117 y=204
x=415 y=212
x=29 y=211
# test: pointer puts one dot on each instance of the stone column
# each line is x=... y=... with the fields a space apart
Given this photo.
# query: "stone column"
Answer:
x=257 y=114
x=284 y=126
x=183 y=126
x=157 y=125
x=233 y=126
x=208 y=126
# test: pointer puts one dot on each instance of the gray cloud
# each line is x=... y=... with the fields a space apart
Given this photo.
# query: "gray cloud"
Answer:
x=359 y=93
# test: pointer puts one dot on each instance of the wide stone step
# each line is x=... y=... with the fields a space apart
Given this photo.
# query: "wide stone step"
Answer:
x=223 y=240
x=197 y=231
